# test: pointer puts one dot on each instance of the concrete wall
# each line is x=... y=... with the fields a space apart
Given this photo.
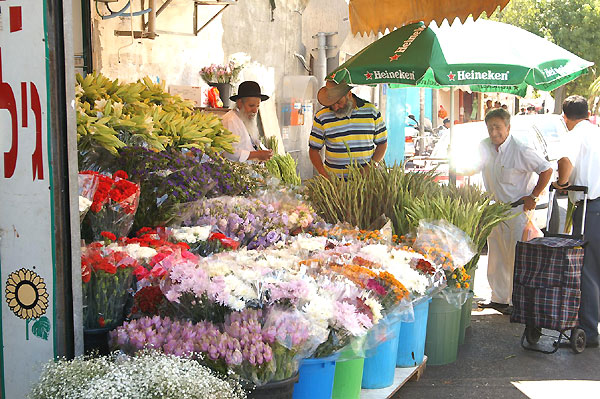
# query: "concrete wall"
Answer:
x=176 y=55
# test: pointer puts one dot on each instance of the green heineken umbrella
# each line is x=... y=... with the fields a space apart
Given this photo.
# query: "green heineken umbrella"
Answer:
x=481 y=55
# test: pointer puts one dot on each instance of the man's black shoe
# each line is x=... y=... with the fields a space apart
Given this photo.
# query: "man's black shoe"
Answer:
x=506 y=310
x=492 y=305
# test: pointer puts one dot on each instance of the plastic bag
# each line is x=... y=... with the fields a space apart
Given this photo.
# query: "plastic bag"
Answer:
x=454 y=296
x=438 y=239
x=290 y=334
x=530 y=231
x=88 y=184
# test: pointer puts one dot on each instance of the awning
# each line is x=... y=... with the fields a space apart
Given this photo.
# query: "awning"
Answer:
x=379 y=15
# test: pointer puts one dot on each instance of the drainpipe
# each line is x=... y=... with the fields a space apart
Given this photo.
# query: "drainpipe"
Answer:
x=451 y=166
x=152 y=20
x=321 y=64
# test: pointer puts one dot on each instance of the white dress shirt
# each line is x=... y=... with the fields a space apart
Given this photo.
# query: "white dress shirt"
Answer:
x=510 y=172
x=582 y=146
x=233 y=123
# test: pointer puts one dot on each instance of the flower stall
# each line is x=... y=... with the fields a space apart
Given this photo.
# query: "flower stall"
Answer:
x=249 y=283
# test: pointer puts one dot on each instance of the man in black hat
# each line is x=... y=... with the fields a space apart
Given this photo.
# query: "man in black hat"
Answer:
x=350 y=128
x=241 y=121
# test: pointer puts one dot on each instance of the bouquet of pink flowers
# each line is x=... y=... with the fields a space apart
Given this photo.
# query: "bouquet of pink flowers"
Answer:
x=221 y=73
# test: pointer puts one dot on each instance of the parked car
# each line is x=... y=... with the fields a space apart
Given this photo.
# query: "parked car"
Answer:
x=542 y=132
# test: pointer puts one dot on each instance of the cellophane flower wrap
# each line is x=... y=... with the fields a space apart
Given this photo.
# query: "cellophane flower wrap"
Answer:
x=88 y=184
x=114 y=204
x=288 y=332
x=167 y=179
x=254 y=222
x=451 y=248
x=107 y=276
x=201 y=240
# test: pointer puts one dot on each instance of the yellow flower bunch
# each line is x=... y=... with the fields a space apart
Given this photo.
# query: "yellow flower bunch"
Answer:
x=458 y=278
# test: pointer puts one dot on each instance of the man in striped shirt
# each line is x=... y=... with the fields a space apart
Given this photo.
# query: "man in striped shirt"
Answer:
x=350 y=128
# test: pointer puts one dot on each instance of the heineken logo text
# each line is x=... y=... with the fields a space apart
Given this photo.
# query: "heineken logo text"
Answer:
x=549 y=72
x=390 y=75
x=476 y=75
x=410 y=39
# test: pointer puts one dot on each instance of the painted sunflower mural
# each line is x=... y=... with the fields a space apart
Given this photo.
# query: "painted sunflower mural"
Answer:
x=26 y=294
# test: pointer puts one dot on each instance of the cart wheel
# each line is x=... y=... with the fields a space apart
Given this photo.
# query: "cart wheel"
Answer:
x=577 y=340
x=533 y=334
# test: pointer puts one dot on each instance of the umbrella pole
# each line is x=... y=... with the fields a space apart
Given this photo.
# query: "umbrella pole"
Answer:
x=451 y=168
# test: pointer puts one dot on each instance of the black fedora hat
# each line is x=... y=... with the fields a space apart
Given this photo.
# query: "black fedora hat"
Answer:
x=249 y=88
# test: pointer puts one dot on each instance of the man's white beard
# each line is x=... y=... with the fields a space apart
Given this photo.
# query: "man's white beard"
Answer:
x=251 y=126
x=346 y=111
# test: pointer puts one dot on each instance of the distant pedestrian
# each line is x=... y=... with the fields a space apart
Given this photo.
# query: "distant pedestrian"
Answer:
x=579 y=166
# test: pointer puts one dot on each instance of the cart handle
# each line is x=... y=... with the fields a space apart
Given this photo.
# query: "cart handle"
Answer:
x=583 y=189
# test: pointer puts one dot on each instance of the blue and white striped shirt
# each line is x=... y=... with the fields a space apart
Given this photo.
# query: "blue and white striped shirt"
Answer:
x=350 y=138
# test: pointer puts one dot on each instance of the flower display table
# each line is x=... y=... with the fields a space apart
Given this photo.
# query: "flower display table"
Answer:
x=402 y=376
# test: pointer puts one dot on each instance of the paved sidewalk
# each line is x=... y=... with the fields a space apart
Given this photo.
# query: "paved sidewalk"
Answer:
x=492 y=364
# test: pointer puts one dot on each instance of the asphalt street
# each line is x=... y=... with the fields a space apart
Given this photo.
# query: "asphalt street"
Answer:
x=492 y=364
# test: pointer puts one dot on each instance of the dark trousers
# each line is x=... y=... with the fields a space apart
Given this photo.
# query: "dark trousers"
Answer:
x=589 y=310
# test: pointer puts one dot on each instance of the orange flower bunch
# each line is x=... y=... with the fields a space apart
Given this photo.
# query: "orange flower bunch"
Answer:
x=438 y=255
x=367 y=235
x=365 y=263
x=458 y=278
x=357 y=274
x=398 y=288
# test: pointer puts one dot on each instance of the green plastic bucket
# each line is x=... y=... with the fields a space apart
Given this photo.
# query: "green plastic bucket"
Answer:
x=441 y=344
x=348 y=378
x=465 y=318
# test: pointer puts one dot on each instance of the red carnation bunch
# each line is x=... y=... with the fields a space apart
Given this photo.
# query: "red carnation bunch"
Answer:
x=147 y=300
x=107 y=274
x=114 y=203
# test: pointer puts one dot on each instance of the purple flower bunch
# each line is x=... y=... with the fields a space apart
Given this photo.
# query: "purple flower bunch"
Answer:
x=167 y=179
x=253 y=222
x=289 y=332
x=239 y=347
x=281 y=290
x=245 y=326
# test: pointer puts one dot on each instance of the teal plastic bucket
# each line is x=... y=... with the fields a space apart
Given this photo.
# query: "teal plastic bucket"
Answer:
x=316 y=378
x=379 y=369
x=441 y=344
x=411 y=340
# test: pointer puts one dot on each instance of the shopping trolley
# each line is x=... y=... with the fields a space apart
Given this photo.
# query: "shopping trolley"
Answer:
x=546 y=284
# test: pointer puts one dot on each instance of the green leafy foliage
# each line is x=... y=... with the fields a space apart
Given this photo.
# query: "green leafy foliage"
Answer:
x=571 y=24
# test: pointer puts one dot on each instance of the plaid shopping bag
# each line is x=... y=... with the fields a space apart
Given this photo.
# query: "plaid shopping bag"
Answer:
x=546 y=285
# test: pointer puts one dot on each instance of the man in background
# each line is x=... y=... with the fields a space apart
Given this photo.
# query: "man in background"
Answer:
x=513 y=173
x=241 y=121
x=580 y=166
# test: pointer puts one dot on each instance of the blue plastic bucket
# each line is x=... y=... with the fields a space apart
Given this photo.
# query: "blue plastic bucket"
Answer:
x=316 y=378
x=379 y=368
x=411 y=341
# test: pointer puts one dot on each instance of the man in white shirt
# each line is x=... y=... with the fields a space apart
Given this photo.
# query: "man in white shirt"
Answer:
x=241 y=121
x=516 y=174
x=580 y=166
